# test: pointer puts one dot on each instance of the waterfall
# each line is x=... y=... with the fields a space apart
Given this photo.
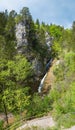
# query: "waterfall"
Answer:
x=41 y=83
x=48 y=64
x=43 y=79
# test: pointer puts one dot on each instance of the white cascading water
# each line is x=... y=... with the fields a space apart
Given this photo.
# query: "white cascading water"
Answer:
x=42 y=83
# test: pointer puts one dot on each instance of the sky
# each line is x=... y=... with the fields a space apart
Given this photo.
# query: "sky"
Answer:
x=60 y=12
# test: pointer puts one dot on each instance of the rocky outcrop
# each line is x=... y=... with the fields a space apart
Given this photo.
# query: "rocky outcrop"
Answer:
x=49 y=41
x=23 y=47
x=37 y=66
x=21 y=37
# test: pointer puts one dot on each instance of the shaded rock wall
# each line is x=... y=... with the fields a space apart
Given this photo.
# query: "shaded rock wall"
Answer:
x=23 y=47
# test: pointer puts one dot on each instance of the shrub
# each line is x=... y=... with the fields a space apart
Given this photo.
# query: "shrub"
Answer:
x=1 y=125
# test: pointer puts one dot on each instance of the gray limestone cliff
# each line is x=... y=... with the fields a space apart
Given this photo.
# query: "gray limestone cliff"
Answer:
x=49 y=40
x=23 y=47
x=21 y=36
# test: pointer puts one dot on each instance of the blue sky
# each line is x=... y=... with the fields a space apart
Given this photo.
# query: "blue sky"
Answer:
x=60 y=12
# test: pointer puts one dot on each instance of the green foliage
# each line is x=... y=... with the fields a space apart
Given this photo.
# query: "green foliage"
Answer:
x=18 y=18
x=16 y=99
x=70 y=61
x=16 y=71
x=39 y=106
x=63 y=92
x=3 y=21
x=73 y=36
x=2 y=46
x=38 y=24
x=1 y=125
x=13 y=91
x=22 y=68
x=56 y=49
x=7 y=34
x=10 y=26
x=56 y=31
x=25 y=13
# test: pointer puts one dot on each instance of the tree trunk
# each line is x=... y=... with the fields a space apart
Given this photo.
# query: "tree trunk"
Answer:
x=5 y=111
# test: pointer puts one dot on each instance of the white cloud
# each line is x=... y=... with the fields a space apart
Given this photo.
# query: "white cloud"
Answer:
x=15 y=3
x=55 y=11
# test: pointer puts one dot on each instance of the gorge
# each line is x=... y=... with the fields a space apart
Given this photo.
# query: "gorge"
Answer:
x=39 y=67
x=37 y=70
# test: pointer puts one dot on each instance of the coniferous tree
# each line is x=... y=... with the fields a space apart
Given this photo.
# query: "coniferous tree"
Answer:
x=38 y=23
x=73 y=36
x=29 y=24
x=3 y=21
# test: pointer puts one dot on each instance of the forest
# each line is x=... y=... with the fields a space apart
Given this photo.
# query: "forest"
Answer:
x=26 y=46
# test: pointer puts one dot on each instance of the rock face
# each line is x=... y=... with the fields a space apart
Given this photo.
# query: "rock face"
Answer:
x=37 y=66
x=23 y=47
x=49 y=40
x=21 y=36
